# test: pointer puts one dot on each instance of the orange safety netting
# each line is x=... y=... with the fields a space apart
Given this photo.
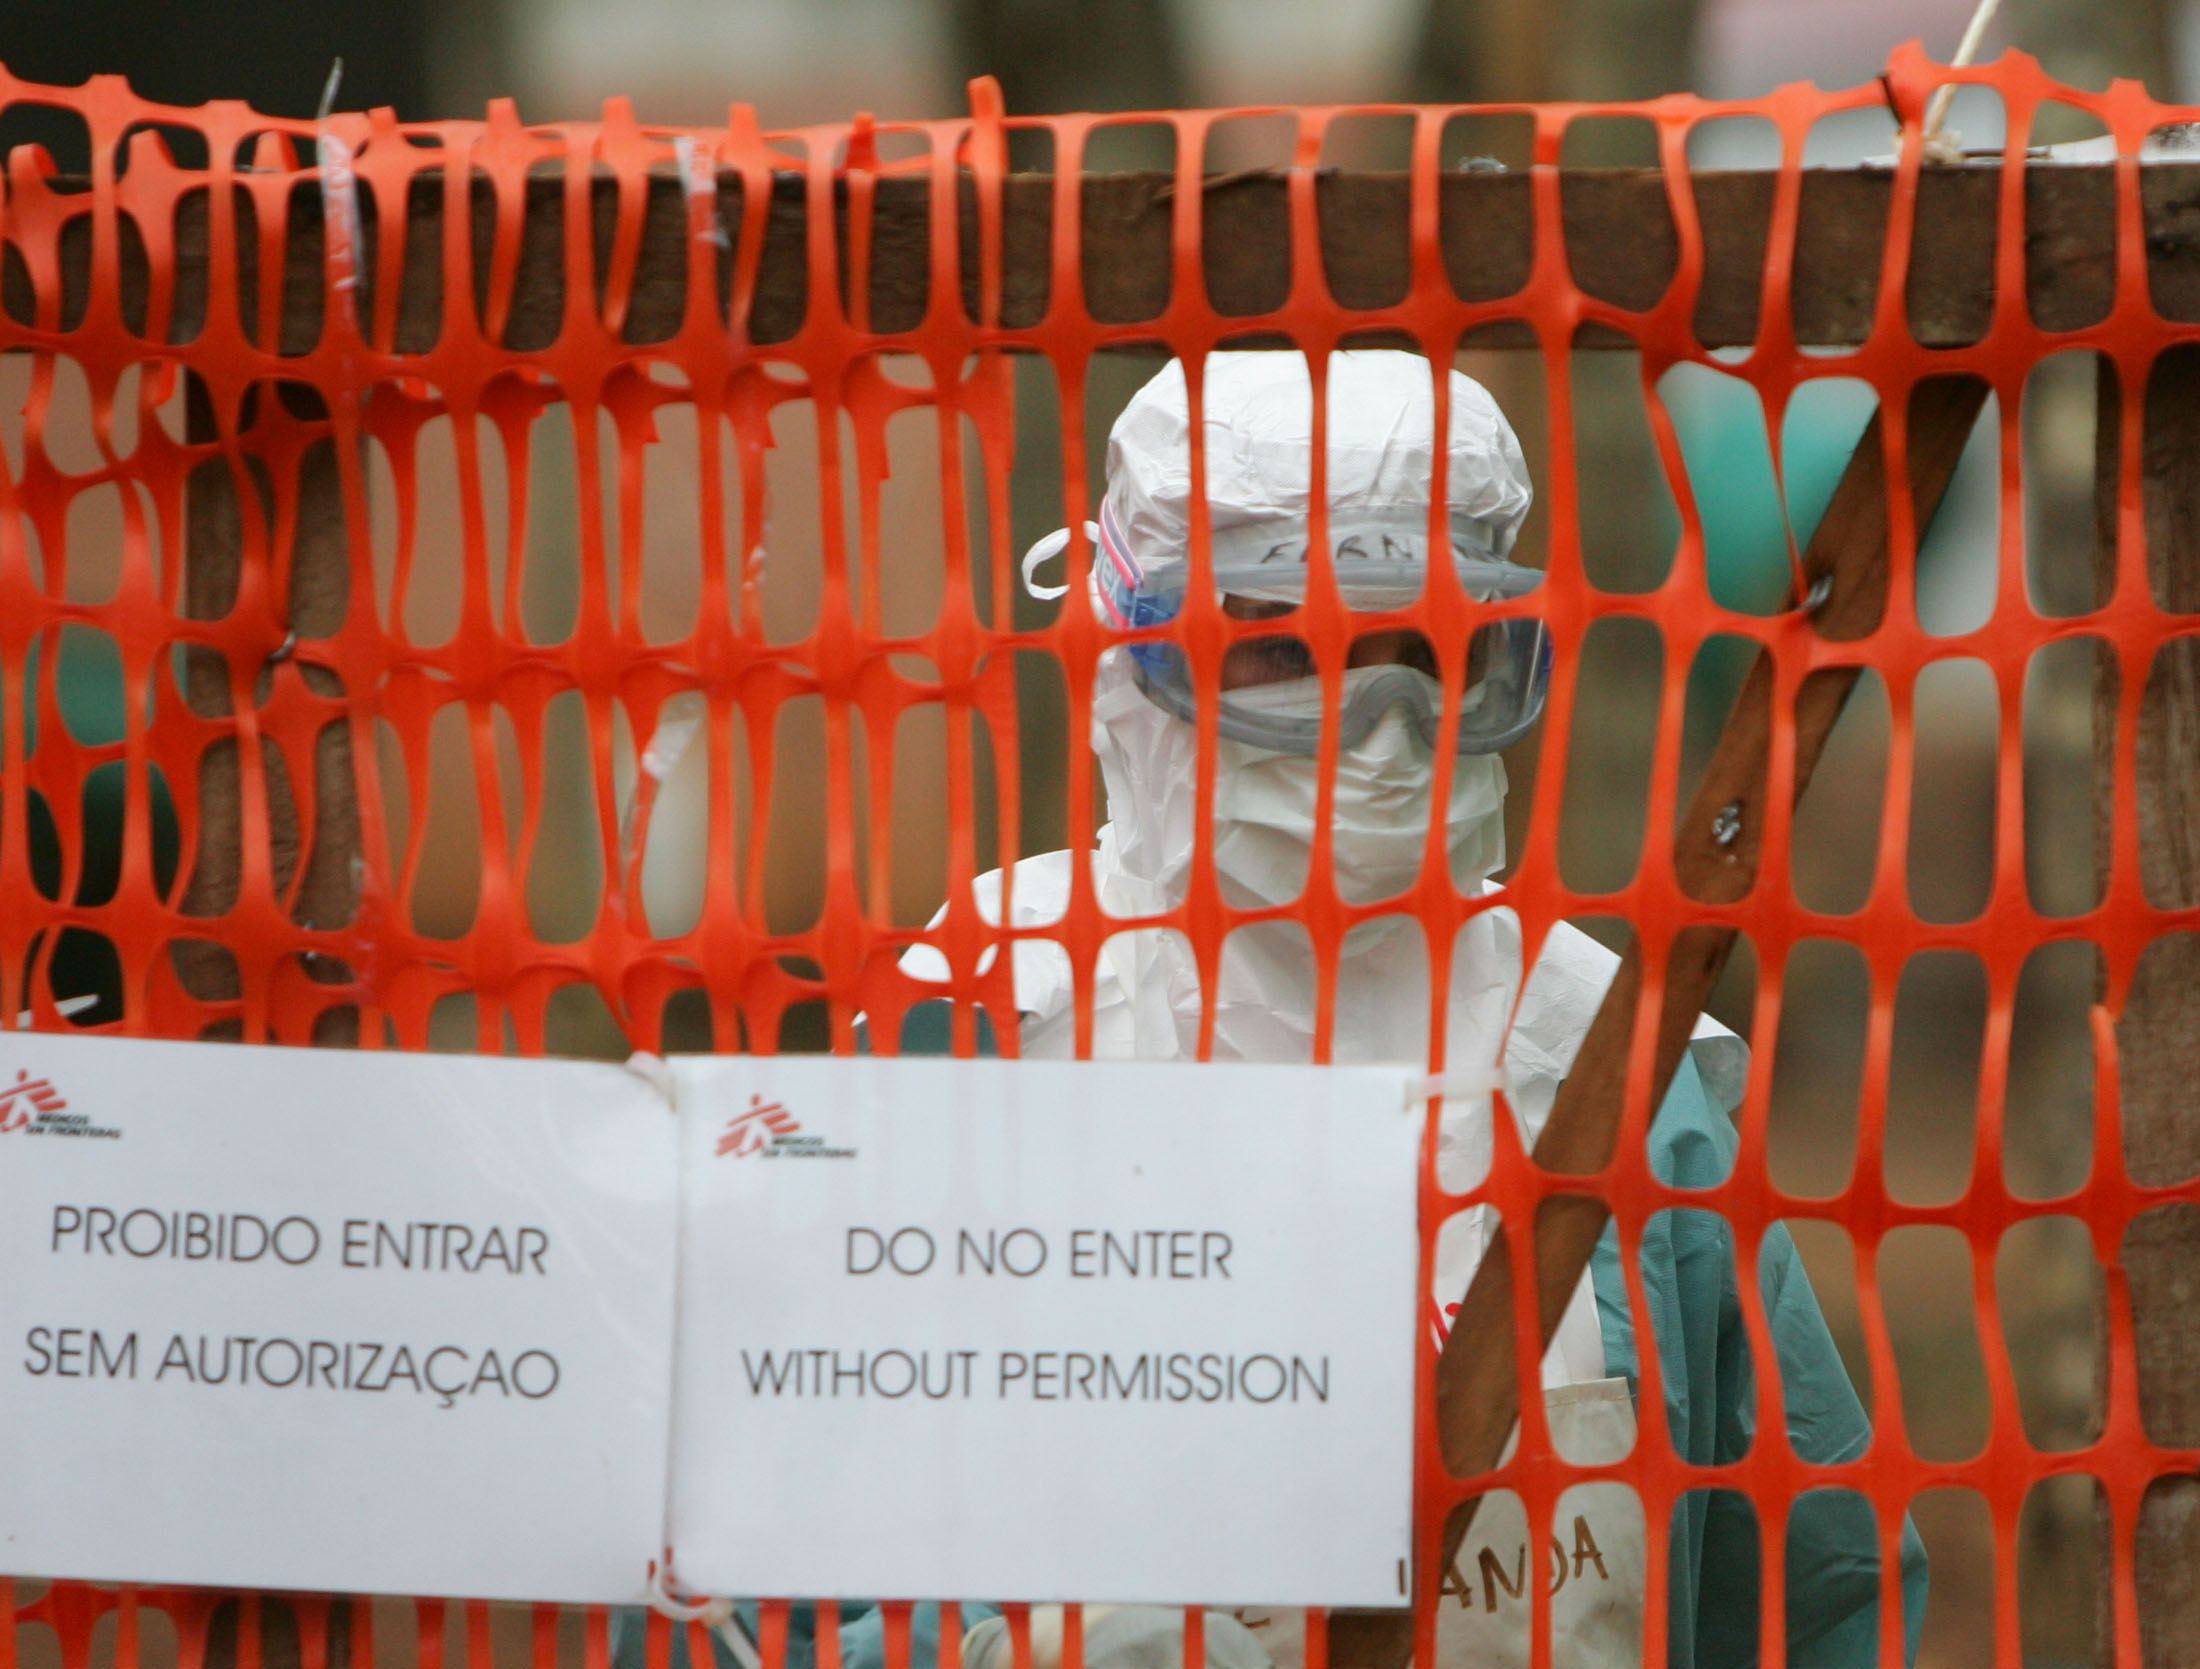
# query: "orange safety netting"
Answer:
x=267 y=902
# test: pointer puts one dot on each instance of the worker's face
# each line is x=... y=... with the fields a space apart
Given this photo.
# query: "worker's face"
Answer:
x=1275 y=660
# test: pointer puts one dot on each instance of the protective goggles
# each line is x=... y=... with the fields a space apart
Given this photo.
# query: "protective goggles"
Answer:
x=1270 y=695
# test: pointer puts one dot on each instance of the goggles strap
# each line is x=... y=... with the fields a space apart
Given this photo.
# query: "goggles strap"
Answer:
x=1046 y=550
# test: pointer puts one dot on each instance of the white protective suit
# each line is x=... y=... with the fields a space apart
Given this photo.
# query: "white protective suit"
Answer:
x=1146 y=1002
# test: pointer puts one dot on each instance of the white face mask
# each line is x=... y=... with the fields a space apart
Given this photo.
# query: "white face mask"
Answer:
x=1264 y=806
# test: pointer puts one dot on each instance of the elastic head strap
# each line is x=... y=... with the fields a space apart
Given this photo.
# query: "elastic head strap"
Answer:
x=1046 y=550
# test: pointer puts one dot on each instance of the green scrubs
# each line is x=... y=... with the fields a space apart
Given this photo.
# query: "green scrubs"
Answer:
x=1690 y=1280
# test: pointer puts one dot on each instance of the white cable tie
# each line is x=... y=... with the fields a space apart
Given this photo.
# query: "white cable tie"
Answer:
x=656 y=1072
x=675 y=732
x=677 y=723
x=1046 y=550
x=339 y=191
x=666 y=1603
x=700 y=183
x=62 y=1005
x=1462 y=1083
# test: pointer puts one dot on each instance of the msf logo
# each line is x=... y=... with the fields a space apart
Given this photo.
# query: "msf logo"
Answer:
x=748 y=1132
x=27 y=1095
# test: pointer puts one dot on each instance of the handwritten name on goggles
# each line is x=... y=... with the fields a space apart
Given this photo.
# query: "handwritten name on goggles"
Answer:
x=1273 y=699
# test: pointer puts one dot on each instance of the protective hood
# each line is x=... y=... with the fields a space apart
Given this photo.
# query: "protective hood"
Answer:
x=1257 y=423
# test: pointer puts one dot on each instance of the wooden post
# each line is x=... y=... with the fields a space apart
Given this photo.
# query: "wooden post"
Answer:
x=327 y=893
x=2158 y=1030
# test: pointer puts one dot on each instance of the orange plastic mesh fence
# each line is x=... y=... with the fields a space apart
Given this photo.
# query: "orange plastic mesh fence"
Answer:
x=296 y=898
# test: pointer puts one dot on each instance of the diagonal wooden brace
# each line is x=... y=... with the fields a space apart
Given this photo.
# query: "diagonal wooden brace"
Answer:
x=1715 y=855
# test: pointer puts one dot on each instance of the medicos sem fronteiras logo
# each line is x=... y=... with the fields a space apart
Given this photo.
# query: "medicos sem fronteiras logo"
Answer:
x=35 y=1106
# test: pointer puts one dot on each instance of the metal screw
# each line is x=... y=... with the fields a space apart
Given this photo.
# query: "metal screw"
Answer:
x=1726 y=828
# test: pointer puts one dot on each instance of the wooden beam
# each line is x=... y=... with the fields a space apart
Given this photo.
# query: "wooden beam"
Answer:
x=1620 y=237
x=2158 y=1027
x=312 y=864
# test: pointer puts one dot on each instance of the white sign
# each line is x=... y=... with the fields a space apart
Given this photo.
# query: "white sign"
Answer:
x=1035 y=1330
x=364 y=1322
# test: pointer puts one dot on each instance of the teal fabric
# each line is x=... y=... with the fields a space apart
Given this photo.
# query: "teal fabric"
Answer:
x=1695 y=1309
x=928 y=1029
x=1710 y=1405
x=862 y=1637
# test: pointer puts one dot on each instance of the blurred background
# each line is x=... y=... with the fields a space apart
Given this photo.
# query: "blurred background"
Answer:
x=801 y=61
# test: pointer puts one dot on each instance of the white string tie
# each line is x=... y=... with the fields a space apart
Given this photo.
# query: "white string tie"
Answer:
x=1046 y=550
x=666 y=1603
x=699 y=180
x=1461 y=1084
x=339 y=191
x=678 y=722
x=1946 y=148
x=656 y=1072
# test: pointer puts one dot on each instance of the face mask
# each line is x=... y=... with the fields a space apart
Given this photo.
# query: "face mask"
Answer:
x=1265 y=806
x=1265 y=802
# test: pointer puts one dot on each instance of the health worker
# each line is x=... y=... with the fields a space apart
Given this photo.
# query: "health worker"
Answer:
x=1256 y=431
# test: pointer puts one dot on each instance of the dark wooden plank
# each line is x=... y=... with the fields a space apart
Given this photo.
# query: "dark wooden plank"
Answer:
x=326 y=895
x=1620 y=240
x=2158 y=1027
